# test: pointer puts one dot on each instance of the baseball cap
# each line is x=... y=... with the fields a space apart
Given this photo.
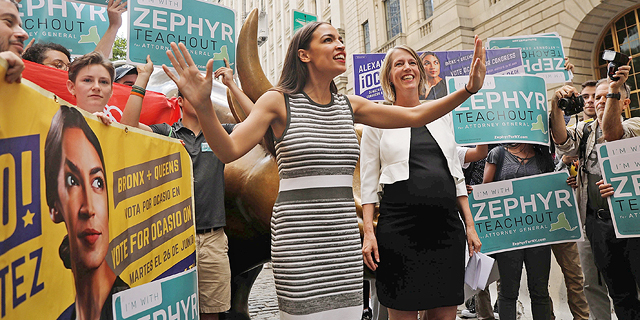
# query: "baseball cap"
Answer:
x=124 y=70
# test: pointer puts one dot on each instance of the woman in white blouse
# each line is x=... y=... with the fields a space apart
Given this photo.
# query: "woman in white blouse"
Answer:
x=418 y=248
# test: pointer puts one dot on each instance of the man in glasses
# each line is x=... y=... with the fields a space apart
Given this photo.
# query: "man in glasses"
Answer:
x=49 y=54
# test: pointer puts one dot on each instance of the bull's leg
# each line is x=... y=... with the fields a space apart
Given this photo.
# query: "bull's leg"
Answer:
x=240 y=289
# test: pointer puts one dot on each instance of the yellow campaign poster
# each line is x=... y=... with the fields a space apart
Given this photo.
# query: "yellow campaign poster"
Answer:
x=87 y=209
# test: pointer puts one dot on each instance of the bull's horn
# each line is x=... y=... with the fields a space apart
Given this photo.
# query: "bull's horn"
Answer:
x=254 y=82
x=235 y=108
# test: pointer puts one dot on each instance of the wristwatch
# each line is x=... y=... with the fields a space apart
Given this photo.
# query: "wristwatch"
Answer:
x=613 y=95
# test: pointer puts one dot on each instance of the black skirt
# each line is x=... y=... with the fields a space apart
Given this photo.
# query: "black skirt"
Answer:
x=420 y=235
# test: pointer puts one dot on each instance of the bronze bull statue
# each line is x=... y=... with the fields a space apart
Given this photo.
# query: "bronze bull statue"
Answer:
x=251 y=184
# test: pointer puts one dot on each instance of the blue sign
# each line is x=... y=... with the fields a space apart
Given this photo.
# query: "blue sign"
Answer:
x=620 y=166
x=76 y=26
x=525 y=212
x=452 y=63
x=174 y=297
x=206 y=29
x=366 y=74
x=542 y=55
x=21 y=209
x=506 y=109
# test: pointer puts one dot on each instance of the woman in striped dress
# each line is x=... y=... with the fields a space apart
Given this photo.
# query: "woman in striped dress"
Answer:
x=315 y=239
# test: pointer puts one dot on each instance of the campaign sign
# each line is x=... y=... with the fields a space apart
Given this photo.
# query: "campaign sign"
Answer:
x=452 y=63
x=87 y=209
x=620 y=166
x=169 y=298
x=206 y=29
x=101 y=3
x=366 y=74
x=542 y=55
x=76 y=26
x=525 y=212
x=499 y=61
x=506 y=109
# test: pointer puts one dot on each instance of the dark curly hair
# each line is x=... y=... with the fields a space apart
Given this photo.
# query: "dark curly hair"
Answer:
x=37 y=52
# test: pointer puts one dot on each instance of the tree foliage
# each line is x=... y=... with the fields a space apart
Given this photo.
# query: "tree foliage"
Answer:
x=119 y=49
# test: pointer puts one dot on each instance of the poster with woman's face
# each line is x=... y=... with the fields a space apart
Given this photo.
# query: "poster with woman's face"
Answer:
x=437 y=64
x=92 y=210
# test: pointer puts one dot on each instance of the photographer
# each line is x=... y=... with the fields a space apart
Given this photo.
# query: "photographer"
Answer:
x=617 y=259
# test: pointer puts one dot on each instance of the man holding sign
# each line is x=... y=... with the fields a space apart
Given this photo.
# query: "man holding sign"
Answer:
x=617 y=259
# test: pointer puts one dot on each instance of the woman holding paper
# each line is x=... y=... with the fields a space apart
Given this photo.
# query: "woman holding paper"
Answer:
x=418 y=250
x=516 y=160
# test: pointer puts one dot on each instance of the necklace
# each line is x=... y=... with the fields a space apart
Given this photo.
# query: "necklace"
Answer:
x=523 y=159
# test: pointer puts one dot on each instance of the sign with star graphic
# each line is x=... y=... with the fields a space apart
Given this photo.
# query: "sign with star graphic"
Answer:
x=79 y=197
x=206 y=29
x=508 y=109
x=525 y=212
x=76 y=26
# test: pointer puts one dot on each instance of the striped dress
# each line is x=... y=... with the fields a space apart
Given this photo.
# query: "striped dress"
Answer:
x=315 y=240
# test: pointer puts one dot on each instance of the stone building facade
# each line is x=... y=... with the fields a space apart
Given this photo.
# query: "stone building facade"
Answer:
x=587 y=27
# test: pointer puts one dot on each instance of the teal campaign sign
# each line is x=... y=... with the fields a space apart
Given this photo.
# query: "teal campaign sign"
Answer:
x=300 y=19
x=76 y=26
x=508 y=108
x=102 y=3
x=620 y=166
x=525 y=212
x=206 y=29
x=174 y=297
x=542 y=55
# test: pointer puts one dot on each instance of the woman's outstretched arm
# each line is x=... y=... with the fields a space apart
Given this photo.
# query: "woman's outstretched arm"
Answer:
x=375 y=115
x=196 y=88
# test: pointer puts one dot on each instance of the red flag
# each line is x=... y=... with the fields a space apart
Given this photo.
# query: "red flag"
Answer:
x=156 y=108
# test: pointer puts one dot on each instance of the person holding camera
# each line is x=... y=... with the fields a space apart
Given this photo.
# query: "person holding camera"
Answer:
x=594 y=289
x=617 y=259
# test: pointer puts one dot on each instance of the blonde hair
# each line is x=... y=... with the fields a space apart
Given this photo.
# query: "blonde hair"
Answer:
x=387 y=87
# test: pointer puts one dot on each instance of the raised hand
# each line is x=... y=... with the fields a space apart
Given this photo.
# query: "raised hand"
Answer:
x=195 y=86
x=623 y=74
x=115 y=8
x=225 y=72
x=478 y=66
x=145 y=69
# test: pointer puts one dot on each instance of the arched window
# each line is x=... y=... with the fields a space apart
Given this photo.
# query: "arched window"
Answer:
x=622 y=36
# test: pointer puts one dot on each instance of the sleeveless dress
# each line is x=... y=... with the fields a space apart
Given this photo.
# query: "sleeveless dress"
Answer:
x=315 y=240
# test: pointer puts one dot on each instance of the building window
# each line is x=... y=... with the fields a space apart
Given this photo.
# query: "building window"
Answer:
x=394 y=23
x=622 y=36
x=367 y=40
x=428 y=8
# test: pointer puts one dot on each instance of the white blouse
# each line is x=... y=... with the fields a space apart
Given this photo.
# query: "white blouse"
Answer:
x=384 y=157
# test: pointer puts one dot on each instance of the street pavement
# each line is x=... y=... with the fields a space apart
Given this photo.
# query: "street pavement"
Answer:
x=263 y=303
